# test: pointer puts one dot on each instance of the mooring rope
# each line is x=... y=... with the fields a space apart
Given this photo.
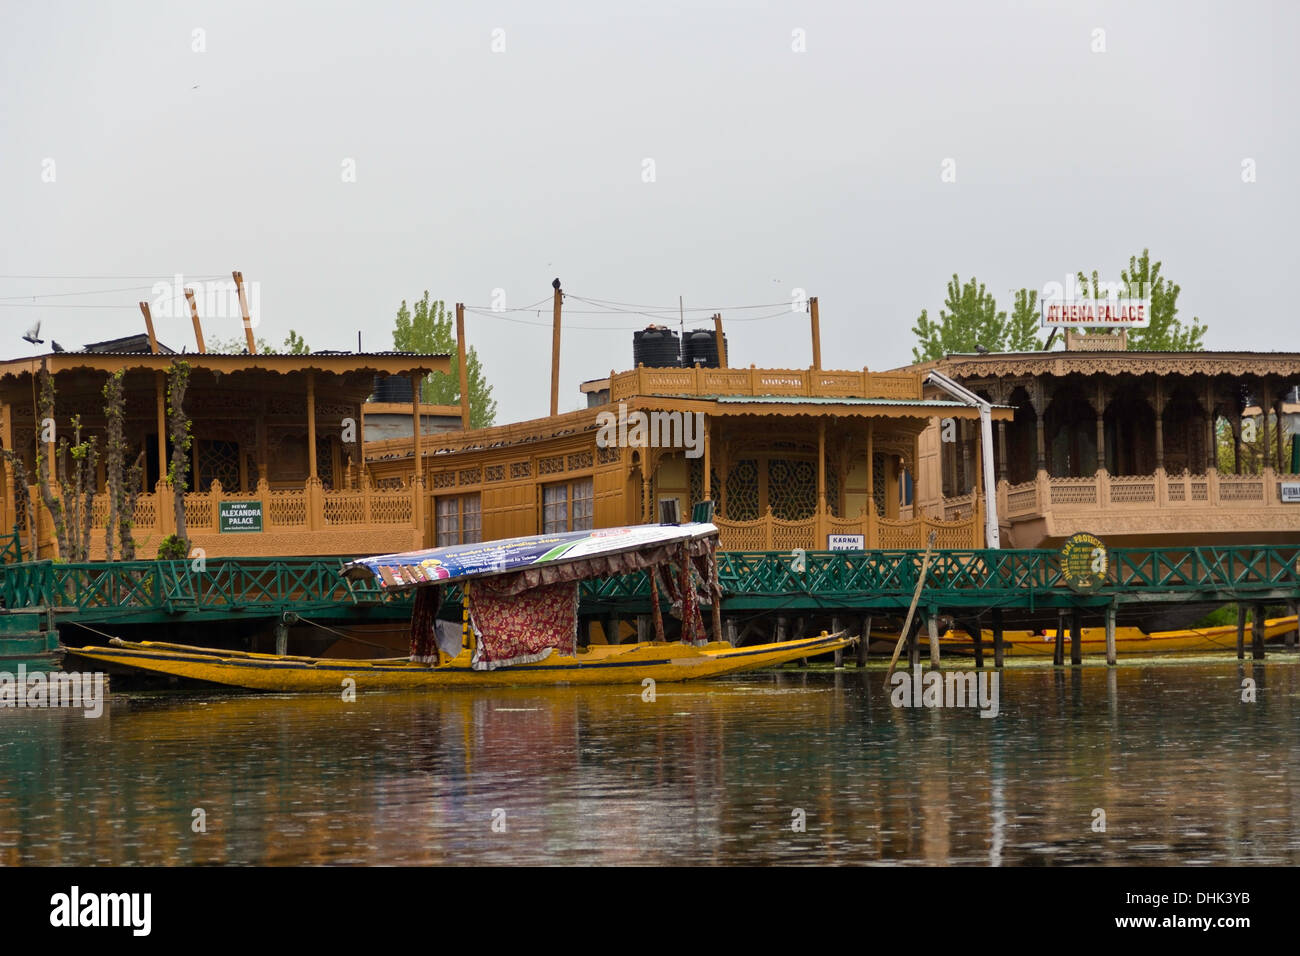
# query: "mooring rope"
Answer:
x=346 y=637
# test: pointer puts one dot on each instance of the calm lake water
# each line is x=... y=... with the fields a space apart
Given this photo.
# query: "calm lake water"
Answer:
x=706 y=774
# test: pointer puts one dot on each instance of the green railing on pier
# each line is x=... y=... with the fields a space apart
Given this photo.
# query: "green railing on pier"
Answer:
x=11 y=551
x=144 y=591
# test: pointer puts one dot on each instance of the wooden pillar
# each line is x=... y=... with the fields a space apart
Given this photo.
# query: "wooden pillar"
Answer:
x=780 y=629
x=1241 y=632
x=720 y=339
x=871 y=475
x=914 y=647
x=932 y=625
x=1058 y=650
x=1160 y=425
x=262 y=451
x=864 y=640
x=243 y=310
x=816 y=334
x=839 y=654
x=998 y=646
x=160 y=394
x=1002 y=452
x=1039 y=440
x=198 y=326
x=729 y=631
x=1293 y=607
x=281 y=637
x=464 y=370
x=977 y=641
x=612 y=629
x=1076 y=636
x=148 y=325
x=819 y=520
x=643 y=629
x=1110 y=635
x=1257 y=632
x=1263 y=415
x=555 y=350
x=1101 y=442
x=708 y=467
x=1236 y=444
x=418 y=443
x=1283 y=466
x=311 y=424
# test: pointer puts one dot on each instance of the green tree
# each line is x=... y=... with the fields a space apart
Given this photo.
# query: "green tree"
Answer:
x=970 y=317
x=428 y=329
x=1166 y=333
x=293 y=345
x=1025 y=324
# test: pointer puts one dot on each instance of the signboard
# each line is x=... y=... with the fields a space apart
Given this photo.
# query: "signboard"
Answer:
x=1291 y=492
x=236 y=516
x=1084 y=562
x=1096 y=313
x=846 y=542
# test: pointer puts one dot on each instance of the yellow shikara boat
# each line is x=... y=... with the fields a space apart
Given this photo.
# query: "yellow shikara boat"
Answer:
x=1129 y=641
x=519 y=626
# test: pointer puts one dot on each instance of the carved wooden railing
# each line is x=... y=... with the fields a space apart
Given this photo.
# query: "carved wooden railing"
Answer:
x=1102 y=492
x=769 y=533
x=764 y=381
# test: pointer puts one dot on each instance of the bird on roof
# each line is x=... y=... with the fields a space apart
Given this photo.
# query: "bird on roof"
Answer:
x=33 y=335
x=57 y=346
x=981 y=349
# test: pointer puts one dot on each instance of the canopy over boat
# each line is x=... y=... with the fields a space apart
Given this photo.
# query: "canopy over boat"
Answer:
x=556 y=558
x=520 y=595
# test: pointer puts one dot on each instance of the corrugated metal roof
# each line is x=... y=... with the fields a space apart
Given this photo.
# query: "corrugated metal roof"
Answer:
x=824 y=400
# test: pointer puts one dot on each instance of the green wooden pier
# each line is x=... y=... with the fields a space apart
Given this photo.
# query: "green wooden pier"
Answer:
x=43 y=600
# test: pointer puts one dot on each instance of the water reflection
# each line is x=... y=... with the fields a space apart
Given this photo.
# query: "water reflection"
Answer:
x=1184 y=770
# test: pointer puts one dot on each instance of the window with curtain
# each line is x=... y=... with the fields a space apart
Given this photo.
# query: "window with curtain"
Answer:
x=568 y=506
x=459 y=520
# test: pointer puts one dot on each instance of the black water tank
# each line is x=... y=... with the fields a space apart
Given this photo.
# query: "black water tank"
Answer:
x=655 y=347
x=701 y=348
x=394 y=389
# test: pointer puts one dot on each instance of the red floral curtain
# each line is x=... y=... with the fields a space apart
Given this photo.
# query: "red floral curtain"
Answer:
x=522 y=628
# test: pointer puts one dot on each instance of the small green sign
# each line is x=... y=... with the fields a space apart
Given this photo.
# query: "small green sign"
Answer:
x=240 y=516
x=1085 y=562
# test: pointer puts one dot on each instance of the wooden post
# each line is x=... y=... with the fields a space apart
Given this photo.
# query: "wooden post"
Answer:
x=932 y=623
x=721 y=341
x=160 y=395
x=656 y=613
x=1076 y=636
x=780 y=629
x=799 y=632
x=612 y=629
x=243 y=310
x=977 y=638
x=642 y=628
x=864 y=640
x=820 y=521
x=148 y=324
x=1257 y=634
x=311 y=423
x=729 y=631
x=194 y=317
x=706 y=464
x=816 y=334
x=839 y=653
x=1110 y=636
x=1241 y=632
x=1058 y=652
x=281 y=638
x=914 y=648
x=1293 y=607
x=555 y=350
x=464 y=371
x=418 y=443
x=999 y=648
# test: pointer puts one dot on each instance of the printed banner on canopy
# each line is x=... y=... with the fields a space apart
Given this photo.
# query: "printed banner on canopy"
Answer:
x=437 y=565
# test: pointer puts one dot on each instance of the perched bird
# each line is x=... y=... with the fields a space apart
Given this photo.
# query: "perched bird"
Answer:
x=981 y=349
x=555 y=283
x=57 y=346
x=33 y=335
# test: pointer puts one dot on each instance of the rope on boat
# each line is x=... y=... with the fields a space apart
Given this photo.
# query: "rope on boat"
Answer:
x=346 y=637
x=93 y=630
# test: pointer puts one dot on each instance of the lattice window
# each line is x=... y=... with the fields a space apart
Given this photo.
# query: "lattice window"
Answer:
x=444 y=479
x=878 y=481
x=580 y=460
x=697 y=481
x=218 y=460
x=609 y=455
x=470 y=476
x=791 y=488
x=550 y=466
x=325 y=460
x=459 y=520
x=833 y=492
x=521 y=469
x=742 y=491
x=495 y=472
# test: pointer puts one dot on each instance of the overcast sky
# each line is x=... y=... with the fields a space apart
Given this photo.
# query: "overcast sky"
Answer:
x=346 y=157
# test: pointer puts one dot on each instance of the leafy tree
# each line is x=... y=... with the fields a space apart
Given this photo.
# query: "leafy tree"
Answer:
x=1166 y=333
x=237 y=345
x=428 y=329
x=970 y=317
x=1025 y=324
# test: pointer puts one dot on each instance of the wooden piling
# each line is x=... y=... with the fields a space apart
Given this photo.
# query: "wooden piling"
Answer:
x=932 y=624
x=839 y=652
x=1110 y=635
x=977 y=639
x=612 y=625
x=1293 y=607
x=642 y=628
x=799 y=632
x=866 y=639
x=999 y=647
x=1257 y=631
x=1076 y=636
x=729 y=631
x=1058 y=651
x=1241 y=632
x=281 y=638
x=914 y=648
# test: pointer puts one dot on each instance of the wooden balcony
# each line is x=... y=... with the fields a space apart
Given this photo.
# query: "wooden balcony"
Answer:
x=1159 y=504
x=770 y=533
x=764 y=381
x=305 y=521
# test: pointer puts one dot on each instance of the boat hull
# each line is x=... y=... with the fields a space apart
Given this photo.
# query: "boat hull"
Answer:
x=614 y=664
